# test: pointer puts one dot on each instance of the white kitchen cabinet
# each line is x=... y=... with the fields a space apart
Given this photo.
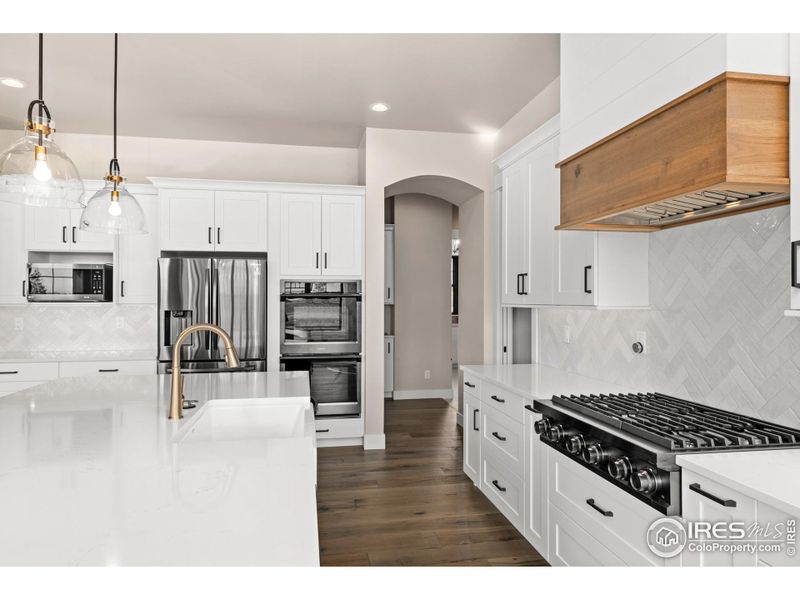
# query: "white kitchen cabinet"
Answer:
x=535 y=480
x=388 y=366
x=137 y=278
x=515 y=234
x=472 y=437
x=575 y=270
x=571 y=546
x=388 y=264
x=321 y=235
x=240 y=221
x=107 y=367
x=58 y=230
x=187 y=220
x=13 y=271
x=544 y=214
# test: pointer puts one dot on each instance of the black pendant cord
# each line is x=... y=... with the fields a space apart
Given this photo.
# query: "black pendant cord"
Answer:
x=113 y=168
x=41 y=83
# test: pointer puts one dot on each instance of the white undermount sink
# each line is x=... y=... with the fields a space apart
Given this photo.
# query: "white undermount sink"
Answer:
x=248 y=419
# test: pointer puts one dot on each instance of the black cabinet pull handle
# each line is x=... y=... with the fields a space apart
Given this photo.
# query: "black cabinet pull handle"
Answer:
x=795 y=283
x=496 y=399
x=474 y=416
x=519 y=291
x=605 y=513
x=498 y=436
x=323 y=430
x=108 y=370
x=210 y=239
x=530 y=408
x=523 y=292
x=23 y=288
x=74 y=240
x=388 y=347
x=8 y=372
x=325 y=266
x=64 y=234
x=695 y=487
x=122 y=288
x=389 y=293
x=469 y=385
x=219 y=231
x=317 y=263
x=586 y=289
x=498 y=486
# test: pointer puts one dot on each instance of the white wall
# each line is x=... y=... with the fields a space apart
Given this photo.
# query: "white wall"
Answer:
x=543 y=107
x=163 y=157
x=422 y=249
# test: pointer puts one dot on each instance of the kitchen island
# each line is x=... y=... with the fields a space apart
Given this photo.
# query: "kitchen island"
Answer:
x=93 y=473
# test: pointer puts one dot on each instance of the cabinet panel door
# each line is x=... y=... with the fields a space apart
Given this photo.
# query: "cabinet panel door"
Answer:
x=240 y=221
x=388 y=265
x=13 y=271
x=514 y=234
x=47 y=228
x=300 y=234
x=575 y=270
x=138 y=259
x=187 y=220
x=341 y=235
x=536 y=475
x=472 y=438
x=572 y=546
x=545 y=205
x=87 y=242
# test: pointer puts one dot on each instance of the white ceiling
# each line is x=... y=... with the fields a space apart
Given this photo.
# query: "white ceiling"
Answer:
x=306 y=89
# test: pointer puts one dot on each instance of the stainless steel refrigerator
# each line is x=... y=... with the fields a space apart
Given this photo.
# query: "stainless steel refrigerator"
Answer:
x=228 y=292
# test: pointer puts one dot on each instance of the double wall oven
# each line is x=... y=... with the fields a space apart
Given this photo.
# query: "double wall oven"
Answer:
x=321 y=334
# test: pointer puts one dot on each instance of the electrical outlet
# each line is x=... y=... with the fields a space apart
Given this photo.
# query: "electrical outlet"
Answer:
x=19 y=324
x=427 y=374
x=120 y=323
x=566 y=335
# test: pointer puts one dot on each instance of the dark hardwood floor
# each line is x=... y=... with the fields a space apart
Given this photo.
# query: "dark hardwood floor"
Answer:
x=411 y=504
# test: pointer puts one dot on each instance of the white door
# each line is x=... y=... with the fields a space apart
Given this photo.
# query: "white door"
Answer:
x=301 y=234
x=341 y=236
x=388 y=265
x=514 y=234
x=575 y=268
x=240 y=221
x=536 y=477
x=545 y=205
x=472 y=438
x=47 y=228
x=186 y=220
x=388 y=365
x=138 y=259
x=84 y=241
x=13 y=269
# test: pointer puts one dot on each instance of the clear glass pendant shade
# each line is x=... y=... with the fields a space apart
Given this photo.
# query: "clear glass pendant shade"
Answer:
x=113 y=210
x=35 y=171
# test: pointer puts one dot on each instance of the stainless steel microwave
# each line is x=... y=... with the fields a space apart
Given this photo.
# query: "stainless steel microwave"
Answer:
x=57 y=282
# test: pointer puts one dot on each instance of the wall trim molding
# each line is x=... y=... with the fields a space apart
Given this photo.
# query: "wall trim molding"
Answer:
x=375 y=441
x=225 y=185
x=545 y=132
x=444 y=393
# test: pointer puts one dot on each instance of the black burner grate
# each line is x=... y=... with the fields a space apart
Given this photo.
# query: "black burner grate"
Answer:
x=679 y=424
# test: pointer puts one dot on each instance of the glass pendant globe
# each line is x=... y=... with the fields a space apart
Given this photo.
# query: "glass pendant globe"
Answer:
x=34 y=178
x=105 y=214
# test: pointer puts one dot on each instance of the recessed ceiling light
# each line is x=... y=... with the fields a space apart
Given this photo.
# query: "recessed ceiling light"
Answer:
x=12 y=83
x=379 y=107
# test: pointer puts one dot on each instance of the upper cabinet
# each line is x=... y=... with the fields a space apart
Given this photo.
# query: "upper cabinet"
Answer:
x=137 y=263
x=542 y=266
x=202 y=220
x=321 y=235
x=13 y=270
x=58 y=230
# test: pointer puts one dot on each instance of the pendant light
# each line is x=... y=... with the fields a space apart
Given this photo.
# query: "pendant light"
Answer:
x=114 y=209
x=34 y=171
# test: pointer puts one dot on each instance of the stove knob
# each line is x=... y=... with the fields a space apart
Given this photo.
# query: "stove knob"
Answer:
x=574 y=444
x=646 y=480
x=555 y=433
x=541 y=426
x=594 y=454
x=620 y=468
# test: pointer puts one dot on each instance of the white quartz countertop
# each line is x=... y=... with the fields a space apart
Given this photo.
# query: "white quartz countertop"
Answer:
x=769 y=476
x=76 y=355
x=91 y=474
x=542 y=382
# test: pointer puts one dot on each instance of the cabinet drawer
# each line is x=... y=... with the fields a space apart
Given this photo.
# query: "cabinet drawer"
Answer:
x=33 y=371
x=503 y=488
x=107 y=367
x=571 y=546
x=506 y=402
x=605 y=511
x=503 y=437
x=472 y=385
x=332 y=429
x=9 y=387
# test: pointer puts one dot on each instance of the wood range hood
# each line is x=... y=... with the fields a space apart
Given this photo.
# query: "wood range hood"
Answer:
x=718 y=150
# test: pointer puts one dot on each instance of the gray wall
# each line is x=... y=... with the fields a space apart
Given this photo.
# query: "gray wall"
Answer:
x=716 y=332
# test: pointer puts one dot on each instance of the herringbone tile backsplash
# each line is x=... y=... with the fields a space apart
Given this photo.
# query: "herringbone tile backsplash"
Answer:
x=716 y=332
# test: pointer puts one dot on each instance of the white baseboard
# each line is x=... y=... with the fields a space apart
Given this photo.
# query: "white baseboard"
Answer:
x=375 y=441
x=337 y=442
x=446 y=393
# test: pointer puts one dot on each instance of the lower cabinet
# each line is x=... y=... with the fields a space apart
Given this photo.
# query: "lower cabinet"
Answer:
x=472 y=438
x=535 y=477
x=119 y=367
x=502 y=486
x=571 y=546
x=339 y=432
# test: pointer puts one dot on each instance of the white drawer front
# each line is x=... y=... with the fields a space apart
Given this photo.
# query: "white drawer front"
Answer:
x=503 y=488
x=572 y=546
x=472 y=385
x=501 y=399
x=503 y=436
x=339 y=428
x=605 y=511
x=32 y=371
x=9 y=387
x=107 y=367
